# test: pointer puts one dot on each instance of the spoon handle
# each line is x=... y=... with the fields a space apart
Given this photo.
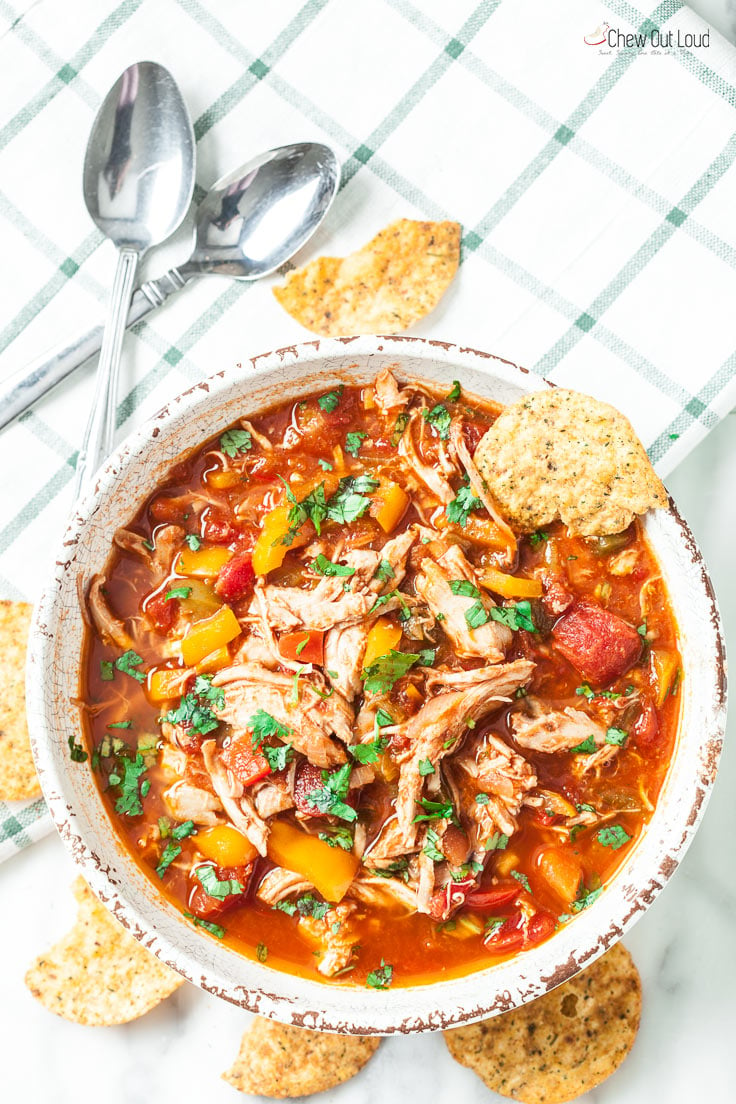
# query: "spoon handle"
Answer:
x=100 y=431
x=28 y=384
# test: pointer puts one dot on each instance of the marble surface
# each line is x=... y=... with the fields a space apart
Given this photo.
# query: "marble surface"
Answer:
x=683 y=947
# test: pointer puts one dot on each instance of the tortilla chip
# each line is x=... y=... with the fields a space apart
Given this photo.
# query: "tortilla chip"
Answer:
x=280 y=1061
x=560 y=454
x=17 y=774
x=385 y=287
x=556 y=1048
x=97 y=974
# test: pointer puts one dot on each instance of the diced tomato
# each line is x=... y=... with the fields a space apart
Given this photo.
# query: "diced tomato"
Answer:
x=450 y=898
x=162 y=613
x=472 y=434
x=488 y=899
x=304 y=646
x=598 y=643
x=455 y=845
x=308 y=778
x=509 y=937
x=539 y=928
x=545 y=819
x=247 y=765
x=235 y=580
x=645 y=729
x=217 y=528
x=208 y=908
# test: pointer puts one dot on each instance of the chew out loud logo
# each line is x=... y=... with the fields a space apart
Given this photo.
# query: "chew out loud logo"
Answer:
x=656 y=39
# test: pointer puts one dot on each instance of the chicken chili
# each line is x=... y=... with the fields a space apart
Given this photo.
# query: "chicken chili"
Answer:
x=351 y=725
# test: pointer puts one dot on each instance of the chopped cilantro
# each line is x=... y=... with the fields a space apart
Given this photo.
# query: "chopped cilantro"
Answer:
x=585 y=898
x=454 y=393
x=145 y=786
x=613 y=836
x=516 y=616
x=465 y=588
x=380 y=978
x=120 y=724
x=434 y=810
x=191 y=713
x=642 y=629
x=178 y=592
x=537 y=538
x=439 y=418
x=77 y=753
x=425 y=767
x=303 y=643
x=278 y=757
x=129 y=802
x=213 y=929
x=426 y=657
x=261 y=952
x=386 y=670
x=384 y=571
x=306 y=905
x=329 y=402
x=482 y=799
x=263 y=725
x=128 y=662
x=382 y=600
x=476 y=615
x=181 y=831
x=587 y=747
x=616 y=736
x=323 y=566
x=457 y=511
x=234 y=441
x=400 y=425
x=353 y=441
x=325 y=465
x=338 y=837
x=213 y=886
x=203 y=688
x=311 y=508
x=497 y=842
x=585 y=691
x=399 y=868
x=368 y=752
x=170 y=852
x=330 y=797
x=493 y=923
x=432 y=846
x=349 y=501
x=107 y=670
x=164 y=827
x=193 y=541
x=382 y=719
x=521 y=879
x=583 y=808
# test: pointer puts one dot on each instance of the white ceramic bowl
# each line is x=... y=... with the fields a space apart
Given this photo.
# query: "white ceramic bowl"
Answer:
x=83 y=823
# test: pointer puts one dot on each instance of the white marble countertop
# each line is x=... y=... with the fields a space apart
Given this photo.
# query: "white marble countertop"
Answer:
x=683 y=947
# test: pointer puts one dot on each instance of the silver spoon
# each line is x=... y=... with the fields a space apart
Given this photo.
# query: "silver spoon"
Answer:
x=138 y=184
x=248 y=225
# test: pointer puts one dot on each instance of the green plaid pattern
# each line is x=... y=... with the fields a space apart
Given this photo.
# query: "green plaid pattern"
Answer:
x=594 y=188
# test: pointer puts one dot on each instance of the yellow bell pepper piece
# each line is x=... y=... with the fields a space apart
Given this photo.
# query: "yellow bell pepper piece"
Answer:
x=209 y=634
x=383 y=635
x=504 y=862
x=214 y=661
x=329 y=869
x=225 y=846
x=413 y=693
x=201 y=599
x=222 y=480
x=269 y=549
x=665 y=665
x=205 y=563
x=510 y=586
x=562 y=872
x=166 y=682
x=390 y=503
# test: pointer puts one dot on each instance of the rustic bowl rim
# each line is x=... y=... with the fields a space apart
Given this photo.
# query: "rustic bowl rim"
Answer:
x=289 y=998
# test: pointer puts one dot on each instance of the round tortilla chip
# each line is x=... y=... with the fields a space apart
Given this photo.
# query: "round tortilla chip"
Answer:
x=280 y=1061
x=388 y=285
x=18 y=779
x=97 y=974
x=554 y=1049
x=561 y=454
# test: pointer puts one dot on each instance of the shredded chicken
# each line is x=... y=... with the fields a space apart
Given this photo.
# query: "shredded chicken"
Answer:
x=109 y=627
x=373 y=889
x=344 y=651
x=426 y=473
x=506 y=778
x=259 y=438
x=433 y=584
x=279 y=884
x=289 y=608
x=550 y=730
x=236 y=803
x=335 y=937
x=389 y=399
x=270 y=798
x=187 y=802
x=311 y=720
x=505 y=678
x=480 y=490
